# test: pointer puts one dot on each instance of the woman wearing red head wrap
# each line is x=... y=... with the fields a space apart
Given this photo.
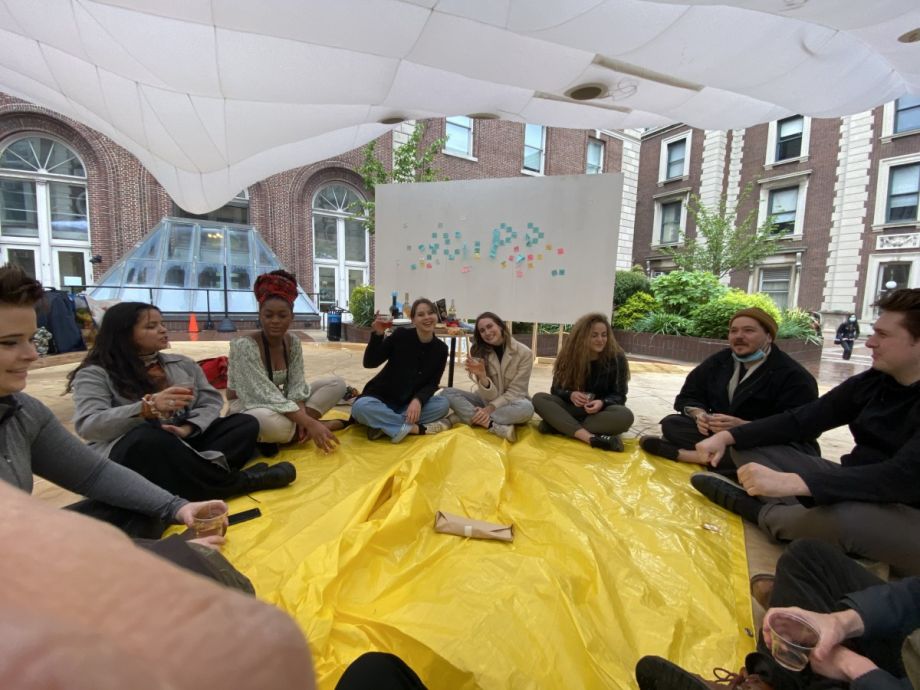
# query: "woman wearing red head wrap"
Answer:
x=266 y=378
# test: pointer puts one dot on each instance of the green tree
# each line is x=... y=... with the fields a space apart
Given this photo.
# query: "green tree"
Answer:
x=724 y=243
x=411 y=163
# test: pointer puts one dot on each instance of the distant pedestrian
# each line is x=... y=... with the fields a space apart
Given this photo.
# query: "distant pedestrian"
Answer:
x=847 y=333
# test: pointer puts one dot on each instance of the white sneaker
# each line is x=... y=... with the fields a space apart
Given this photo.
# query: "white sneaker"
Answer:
x=453 y=419
x=505 y=431
x=438 y=426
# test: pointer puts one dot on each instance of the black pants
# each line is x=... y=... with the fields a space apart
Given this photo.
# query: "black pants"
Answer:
x=163 y=459
x=815 y=576
x=847 y=346
x=681 y=431
x=379 y=671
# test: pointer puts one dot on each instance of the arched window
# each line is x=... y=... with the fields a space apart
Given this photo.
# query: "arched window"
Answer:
x=340 y=245
x=44 y=223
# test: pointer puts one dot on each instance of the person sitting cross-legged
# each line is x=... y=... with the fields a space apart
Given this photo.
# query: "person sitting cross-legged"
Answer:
x=869 y=630
x=500 y=368
x=400 y=400
x=587 y=400
x=751 y=379
x=869 y=504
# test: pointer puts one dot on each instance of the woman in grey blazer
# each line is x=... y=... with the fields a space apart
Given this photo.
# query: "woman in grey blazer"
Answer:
x=156 y=413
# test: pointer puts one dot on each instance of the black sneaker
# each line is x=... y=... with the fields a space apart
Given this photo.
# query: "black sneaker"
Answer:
x=373 y=433
x=655 y=445
x=269 y=477
x=268 y=450
x=726 y=493
x=607 y=442
x=655 y=673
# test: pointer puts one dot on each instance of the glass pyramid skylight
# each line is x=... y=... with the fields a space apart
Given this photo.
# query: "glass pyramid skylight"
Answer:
x=179 y=267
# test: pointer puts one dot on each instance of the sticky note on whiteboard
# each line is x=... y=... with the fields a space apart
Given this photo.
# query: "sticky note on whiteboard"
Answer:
x=520 y=274
x=560 y=251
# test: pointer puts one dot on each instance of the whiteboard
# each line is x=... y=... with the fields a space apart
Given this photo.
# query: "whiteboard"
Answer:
x=527 y=248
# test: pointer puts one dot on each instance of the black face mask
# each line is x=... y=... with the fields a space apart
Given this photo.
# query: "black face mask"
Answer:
x=8 y=407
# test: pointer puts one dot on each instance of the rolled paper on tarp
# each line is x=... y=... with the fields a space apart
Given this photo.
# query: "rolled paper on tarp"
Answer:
x=447 y=523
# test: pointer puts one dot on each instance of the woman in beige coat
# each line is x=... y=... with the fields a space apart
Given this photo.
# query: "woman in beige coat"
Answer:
x=499 y=367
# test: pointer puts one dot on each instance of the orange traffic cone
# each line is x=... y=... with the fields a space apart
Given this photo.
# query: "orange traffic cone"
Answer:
x=193 y=326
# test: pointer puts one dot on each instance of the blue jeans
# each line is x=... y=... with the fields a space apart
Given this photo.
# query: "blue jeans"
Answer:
x=391 y=420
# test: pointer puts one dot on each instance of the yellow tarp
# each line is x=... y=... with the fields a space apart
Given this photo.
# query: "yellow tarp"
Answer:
x=614 y=556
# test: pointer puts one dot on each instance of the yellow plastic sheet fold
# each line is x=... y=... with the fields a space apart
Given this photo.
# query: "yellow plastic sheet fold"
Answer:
x=614 y=556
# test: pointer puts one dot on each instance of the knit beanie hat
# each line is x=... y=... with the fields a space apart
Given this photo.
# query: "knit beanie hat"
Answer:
x=759 y=315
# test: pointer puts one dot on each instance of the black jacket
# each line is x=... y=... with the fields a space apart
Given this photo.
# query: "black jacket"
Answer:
x=779 y=384
x=607 y=380
x=884 y=418
x=847 y=331
x=413 y=368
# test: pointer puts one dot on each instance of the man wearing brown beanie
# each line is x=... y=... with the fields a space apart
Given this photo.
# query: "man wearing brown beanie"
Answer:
x=748 y=380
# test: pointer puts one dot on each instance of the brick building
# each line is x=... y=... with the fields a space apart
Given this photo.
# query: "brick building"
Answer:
x=843 y=192
x=73 y=202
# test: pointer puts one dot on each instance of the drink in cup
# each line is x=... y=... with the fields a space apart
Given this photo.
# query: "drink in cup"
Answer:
x=792 y=638
x=473 y=361
x=209 y=520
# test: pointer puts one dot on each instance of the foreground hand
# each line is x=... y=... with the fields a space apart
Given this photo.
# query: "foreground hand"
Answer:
x=482 y=415
x=181 y=431
x=324 y=439
x=414 y=411
x=833 y=629
x=594 y=406
x=720 y=422
x=711 y=450
x=841 y=663
x=381 y=324
x=170 y=400
x=476 y=369
x=759 y=480
x=212 y=541
x=186 y=514
x=578 y=399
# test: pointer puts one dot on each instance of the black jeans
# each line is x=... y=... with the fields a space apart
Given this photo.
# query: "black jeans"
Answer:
x=815 y=576
x=166 y=461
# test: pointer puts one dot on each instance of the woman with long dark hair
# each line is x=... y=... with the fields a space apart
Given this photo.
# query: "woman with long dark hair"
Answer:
x=499 y=367
x=156 y=413
x=266 y=378
x=34 y=441
x=847 y=333
x=399 y=400
x=587 y=399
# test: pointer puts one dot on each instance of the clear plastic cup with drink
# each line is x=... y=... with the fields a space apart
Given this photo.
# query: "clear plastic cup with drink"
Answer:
x=792 y=639
x=210 y=521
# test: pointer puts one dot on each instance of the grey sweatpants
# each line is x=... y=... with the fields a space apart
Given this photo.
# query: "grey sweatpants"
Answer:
x=464 y=403
x=886 y=532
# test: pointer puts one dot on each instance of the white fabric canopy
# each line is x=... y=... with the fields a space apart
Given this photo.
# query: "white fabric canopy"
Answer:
x=213 y=95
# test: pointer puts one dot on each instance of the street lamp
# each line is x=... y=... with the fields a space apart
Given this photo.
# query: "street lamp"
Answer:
x=890 y=285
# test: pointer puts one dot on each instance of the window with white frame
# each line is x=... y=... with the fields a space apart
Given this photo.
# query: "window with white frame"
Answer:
x=670 y=220
x=675 y=157
x=903 y=193
x=776 y=282
x=781 y=207
x=44 y=220
x=340 y=245
x=783 y=198
x=906 y=114
x=534 y=148
x=788 y=139
x=459 y=131
x=595 y=157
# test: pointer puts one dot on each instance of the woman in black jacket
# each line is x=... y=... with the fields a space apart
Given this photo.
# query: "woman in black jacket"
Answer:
x=847 y=333
x=588 y=396
x=398 y=401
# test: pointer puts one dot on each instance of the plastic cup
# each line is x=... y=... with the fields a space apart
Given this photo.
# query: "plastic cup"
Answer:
x=590 y=396
x=209 y=520
x=475 y=361
x=792 y=640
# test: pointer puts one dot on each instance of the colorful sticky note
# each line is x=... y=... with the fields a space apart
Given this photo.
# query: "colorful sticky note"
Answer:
x=530 y=225
x=549 y=246
x=457 y=234
x=504 y=264
x=414 y=267
x=440 y=225
x=539 y=257
x=465 y=269
x=530 y=257
x=520 y=274
x=562 y=271
x=555 y=272
x=428 y=266
x=560 y=251
x=529 y=265
x=517 y=248
x=434 y=235
x=421 y=247
x=520 y=258
x=408 y=247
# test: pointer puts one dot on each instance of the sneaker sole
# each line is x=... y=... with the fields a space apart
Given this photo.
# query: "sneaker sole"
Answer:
x=718 y=489
x=655 y=673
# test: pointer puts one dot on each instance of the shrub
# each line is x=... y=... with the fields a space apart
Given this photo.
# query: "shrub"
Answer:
x=662 y=323
x=634 y=309
x=680 y=292
x=627 y=284
x=710 y=319
x=797 y=324
x=361 y=305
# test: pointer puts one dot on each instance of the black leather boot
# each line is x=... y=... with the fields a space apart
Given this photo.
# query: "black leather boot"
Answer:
x=268 y=477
